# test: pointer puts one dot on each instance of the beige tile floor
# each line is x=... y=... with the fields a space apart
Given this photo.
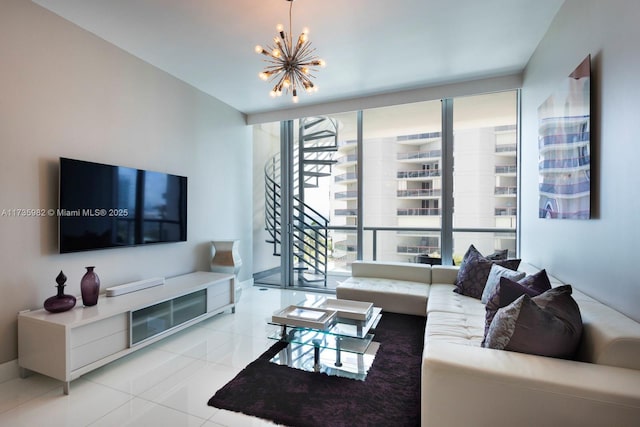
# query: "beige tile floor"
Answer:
x=165 y=384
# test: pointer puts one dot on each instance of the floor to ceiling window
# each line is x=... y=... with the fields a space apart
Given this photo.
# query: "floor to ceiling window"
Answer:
x=416 y=182
x=485 y=167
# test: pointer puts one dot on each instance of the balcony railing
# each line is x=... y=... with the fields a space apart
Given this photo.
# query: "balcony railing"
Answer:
x=346 y=212
x=418 y=211
x=372 y=248
x=346 y=194
x=506 y=191
x=420 y=155
x=426 y=173
x=507 y=169
x=430 y=135
x=417 y=249
x=419 y=193
x=346 y=177
x=506 y=211
x=348 y=158
x=506 y=148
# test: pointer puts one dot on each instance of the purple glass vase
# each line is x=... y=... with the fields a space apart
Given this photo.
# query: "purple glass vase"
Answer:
x=60 y=302
x=90 y=287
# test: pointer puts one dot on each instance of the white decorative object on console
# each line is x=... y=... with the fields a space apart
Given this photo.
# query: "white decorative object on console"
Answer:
x=225 y=256
x=67 y=345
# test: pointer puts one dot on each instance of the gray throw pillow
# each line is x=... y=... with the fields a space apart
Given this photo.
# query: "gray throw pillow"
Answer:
x=547 y=325
x=493 y=280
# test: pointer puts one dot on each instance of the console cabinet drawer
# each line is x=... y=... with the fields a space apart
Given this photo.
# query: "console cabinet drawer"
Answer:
x=95 y=350
x=85 y=334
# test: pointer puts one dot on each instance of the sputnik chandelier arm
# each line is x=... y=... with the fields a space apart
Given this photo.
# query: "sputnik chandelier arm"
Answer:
x=290 y=66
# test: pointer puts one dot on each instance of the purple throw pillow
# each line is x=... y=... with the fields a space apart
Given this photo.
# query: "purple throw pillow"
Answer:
x=549 y=324
x=474 y=271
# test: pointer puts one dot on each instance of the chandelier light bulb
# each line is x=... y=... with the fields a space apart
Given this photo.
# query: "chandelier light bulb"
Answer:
x=258 y=48
x=279 y=28
x=263 y=76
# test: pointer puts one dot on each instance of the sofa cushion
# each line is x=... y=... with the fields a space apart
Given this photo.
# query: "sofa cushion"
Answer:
x=474 y=271
x=495 y=274
x=548 y=325
x=396 y=296
x=454 y=328
x=442 y=299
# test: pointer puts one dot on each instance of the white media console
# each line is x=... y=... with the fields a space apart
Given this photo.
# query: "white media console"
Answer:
x=67 y=345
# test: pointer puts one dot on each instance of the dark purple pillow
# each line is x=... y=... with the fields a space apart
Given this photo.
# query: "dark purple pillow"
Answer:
x=547 y=325
x=474 y=271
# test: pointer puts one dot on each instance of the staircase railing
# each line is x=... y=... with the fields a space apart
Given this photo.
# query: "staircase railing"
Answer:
x=313 y=160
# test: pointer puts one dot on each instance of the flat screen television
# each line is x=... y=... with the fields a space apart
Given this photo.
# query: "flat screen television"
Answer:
x=103 y=206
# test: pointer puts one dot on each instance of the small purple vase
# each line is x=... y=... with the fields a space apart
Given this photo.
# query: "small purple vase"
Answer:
x=90 y=287
x=60 y=302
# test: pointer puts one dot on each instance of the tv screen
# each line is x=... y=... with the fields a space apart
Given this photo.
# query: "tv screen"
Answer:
x=104 y=206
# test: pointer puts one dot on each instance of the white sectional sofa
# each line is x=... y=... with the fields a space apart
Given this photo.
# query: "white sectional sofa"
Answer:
x=465 y=384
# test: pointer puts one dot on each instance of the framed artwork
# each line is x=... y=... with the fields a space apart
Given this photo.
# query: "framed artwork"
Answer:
x=564 y=122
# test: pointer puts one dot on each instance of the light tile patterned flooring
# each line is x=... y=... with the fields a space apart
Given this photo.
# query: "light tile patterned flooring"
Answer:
x=165 y=384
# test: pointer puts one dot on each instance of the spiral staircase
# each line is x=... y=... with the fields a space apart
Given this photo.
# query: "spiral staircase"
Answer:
x=313 y=157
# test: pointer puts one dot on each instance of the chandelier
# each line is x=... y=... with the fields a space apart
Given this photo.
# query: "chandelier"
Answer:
x=288 y=65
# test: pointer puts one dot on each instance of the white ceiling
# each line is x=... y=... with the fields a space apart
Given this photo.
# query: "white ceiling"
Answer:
x=370 y=46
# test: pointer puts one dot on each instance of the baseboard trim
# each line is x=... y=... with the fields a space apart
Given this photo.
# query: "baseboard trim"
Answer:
x=9 y=370
x=266 y=273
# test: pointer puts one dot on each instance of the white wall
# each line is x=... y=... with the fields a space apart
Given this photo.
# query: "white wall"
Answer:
x=595 y=255
x=65 y=92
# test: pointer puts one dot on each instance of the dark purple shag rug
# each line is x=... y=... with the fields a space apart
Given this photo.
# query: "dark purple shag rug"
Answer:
x=389 y=395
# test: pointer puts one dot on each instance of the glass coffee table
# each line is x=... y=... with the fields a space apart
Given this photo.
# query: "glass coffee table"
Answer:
x=327 y=335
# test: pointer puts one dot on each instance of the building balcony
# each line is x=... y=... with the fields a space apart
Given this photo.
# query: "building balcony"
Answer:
x=419 y=174
x=346 y=177
x=348 y=159
x=346 y=212
x=506 y=170
x=506 y=149
x=342 y=195
x=506 y=211
x=419 y=138
x=418 y=211
x=419 y=193
x=506 y=191
x=419 y=155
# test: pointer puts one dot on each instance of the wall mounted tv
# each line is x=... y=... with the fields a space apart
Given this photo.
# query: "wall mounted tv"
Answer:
x=104 y=206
